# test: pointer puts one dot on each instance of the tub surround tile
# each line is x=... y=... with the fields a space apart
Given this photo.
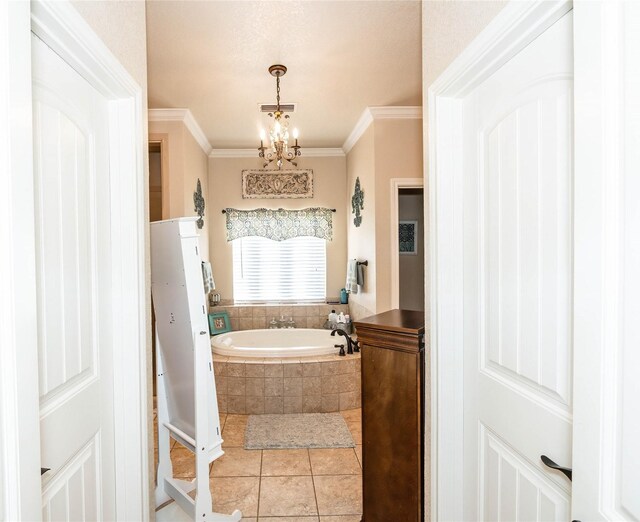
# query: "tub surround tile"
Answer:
x=222 y=403
x=311 y=404
x=236 y=386
x=283 y=462
x=254 y=370
x=358 y=451
x=311 y=386
x=293 y=369
x=330 y=384
x=259 y=323
x=293 y=404
x=332 y=367
x=334 y=461
x=338 y=494
x=348 y=382
x=254 y=405
x=254 y=386
x=273 y=405
x=273 y=386
x=273 y=370
x=219 y=368
x=348 y=400
x=245 y=312
x=292 y=386
x=221 y=384
x=259 y=311
x=286 y=496
x=246 y=323
x=330 y=403
x=236 y=404
x=312 y=369
x=301 y=322
x=231 y=493
x=235 y=369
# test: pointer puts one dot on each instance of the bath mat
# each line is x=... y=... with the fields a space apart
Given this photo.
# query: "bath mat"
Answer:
x=297 y=430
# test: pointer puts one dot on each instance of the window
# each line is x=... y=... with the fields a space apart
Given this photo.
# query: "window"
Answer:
x=290 y=270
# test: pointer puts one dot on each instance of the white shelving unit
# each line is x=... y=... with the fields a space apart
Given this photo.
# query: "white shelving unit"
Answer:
x=187 y=401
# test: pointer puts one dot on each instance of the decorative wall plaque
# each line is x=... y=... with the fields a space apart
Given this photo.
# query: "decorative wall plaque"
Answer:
x=357 y=203
x=198 y=204
x=281 y=184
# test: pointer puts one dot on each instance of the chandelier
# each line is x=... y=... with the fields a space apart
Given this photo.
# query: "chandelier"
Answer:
x=279 y=149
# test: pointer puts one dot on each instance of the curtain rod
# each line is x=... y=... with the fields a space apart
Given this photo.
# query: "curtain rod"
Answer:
x=331 y=209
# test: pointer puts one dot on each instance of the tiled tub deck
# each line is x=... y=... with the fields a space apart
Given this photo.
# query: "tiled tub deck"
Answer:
x=294 y=385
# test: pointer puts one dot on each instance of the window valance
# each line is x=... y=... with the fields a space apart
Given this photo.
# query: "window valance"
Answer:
x=280 y=224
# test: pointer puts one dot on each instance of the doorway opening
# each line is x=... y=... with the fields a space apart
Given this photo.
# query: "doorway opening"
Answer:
x=407 y=244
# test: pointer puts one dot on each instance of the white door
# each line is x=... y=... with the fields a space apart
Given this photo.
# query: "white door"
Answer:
x=72 y=222
x=517 y=265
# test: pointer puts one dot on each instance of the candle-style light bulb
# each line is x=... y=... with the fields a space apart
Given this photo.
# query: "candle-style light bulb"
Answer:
x=295 y=134
x=262 y=135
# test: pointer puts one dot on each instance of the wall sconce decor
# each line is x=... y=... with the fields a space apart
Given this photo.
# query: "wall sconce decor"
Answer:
x=198 y=203
x=357 y=203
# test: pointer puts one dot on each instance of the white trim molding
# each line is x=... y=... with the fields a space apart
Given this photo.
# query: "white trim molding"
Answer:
x=253 y=153
x=186 y=117
x=379 y=113
x=394 y=221
x=20 y=483
x=517 y=25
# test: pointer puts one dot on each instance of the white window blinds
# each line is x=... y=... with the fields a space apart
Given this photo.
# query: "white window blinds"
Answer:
x=291 y=270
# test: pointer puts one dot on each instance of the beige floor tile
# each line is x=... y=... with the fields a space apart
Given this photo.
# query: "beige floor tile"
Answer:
x=288 y=519
x=334 y=461
x=352 y=415
x=338 y=494
x=285 y=462
x=230 y=493
x=238 y=462
x=342 y=518
x=356 y=430
x=183 y=462
x=287 y=496
x=233 y=435
x=359 y=453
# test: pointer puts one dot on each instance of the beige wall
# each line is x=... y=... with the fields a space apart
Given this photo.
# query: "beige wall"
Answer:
x=411 y=267
x=362 y=240
x=185 y=163
x=388 y=149
x=225 y=182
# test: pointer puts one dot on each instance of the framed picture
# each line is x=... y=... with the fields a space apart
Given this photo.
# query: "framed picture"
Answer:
x=277 y=184
x=219 y=323
x=408 y=238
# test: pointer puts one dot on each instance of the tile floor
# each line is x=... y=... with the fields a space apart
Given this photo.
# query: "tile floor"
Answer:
x=296 y=485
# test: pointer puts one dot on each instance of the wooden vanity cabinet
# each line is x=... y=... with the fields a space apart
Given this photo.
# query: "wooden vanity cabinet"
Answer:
x=392 y=346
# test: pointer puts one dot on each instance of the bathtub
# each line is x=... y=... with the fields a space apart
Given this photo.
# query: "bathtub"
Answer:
x=281 y=343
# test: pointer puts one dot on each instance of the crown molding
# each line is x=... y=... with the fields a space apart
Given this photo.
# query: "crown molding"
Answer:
x=185 y=116
x=253 y=153
x=379 y=113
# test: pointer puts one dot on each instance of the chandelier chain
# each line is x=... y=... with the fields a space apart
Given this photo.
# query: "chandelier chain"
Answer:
x=278 y=93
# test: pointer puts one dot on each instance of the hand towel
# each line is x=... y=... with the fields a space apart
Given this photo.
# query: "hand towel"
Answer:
x=207 y=277
x=360 y=275
x=352 y=277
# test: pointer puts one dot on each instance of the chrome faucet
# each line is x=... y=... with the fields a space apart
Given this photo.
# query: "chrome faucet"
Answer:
x=351 y=344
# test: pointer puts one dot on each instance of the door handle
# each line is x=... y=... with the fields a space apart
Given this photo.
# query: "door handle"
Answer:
x=43 y=471
x=550 y=464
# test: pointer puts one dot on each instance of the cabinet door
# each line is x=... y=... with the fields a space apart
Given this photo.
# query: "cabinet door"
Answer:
x=392 y=435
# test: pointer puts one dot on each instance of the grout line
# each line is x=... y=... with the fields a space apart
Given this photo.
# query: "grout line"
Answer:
x=313 y=482
x=259 y=484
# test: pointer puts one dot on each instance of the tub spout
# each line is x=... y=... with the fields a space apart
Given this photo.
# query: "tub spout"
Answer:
x=350 y=342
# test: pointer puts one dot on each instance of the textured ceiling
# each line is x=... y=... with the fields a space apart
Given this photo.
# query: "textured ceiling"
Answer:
x=342 y=56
